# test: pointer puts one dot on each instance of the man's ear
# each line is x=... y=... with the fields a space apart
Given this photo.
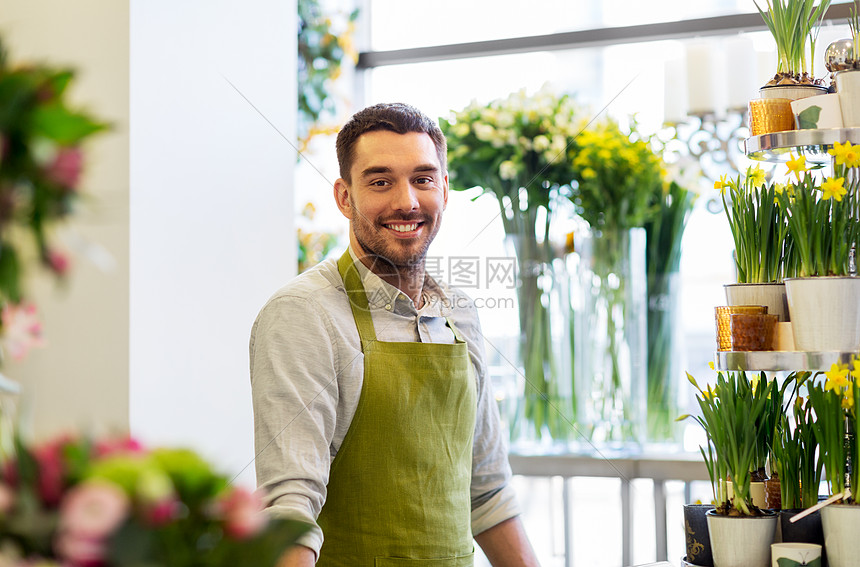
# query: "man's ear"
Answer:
x=445 y=191
x=341 y=197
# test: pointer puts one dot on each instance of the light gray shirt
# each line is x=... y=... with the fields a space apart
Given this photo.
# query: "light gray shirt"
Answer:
x=306 y=376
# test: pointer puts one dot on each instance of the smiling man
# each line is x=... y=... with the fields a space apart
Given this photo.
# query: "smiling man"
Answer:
x=374 y=415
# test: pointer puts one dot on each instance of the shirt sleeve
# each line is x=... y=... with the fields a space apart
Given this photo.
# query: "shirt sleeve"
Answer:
x=295 y=404
x=493 y=498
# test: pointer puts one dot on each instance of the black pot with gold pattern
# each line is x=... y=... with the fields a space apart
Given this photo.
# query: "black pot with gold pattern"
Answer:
x=698 y=542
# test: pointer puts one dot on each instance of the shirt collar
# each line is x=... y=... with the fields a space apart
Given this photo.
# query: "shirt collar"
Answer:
x=382 y=295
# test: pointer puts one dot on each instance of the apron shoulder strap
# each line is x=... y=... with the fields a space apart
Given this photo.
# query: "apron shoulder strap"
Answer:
x=357 y=298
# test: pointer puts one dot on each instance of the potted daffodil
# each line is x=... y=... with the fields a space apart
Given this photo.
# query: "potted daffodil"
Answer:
x=835 y=397
x=732 y=413
x=823 y=215
x=764 y=254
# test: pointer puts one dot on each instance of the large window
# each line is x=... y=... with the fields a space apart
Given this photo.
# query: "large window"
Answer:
x=621 y=79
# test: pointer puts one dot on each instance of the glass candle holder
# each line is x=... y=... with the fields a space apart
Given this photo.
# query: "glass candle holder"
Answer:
x=769 y=115
x=752 y=331
x=723 y=315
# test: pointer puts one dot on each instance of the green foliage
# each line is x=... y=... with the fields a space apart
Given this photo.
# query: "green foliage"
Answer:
x=829 y=430
x=759 y=228
x=793 y=24
x=795 y=456
x=321 y=51
x=664 y=233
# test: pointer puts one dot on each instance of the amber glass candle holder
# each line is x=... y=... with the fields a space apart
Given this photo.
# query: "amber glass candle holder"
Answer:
x=723 y=315
x=769 y=115
x=753 y=331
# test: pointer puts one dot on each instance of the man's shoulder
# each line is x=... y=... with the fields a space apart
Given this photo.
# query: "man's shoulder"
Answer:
x=319 y=281
x=317 y=289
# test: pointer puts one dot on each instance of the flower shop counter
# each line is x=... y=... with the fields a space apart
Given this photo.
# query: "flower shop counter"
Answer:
x=659 y=467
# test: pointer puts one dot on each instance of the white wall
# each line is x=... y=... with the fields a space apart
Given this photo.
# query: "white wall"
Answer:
x=212 y=233
x=80 y=380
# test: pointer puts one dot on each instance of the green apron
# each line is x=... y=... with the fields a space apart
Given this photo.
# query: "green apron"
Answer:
x=398 y=490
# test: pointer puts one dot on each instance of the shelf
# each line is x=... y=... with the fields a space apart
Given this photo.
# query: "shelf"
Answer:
x=778 y=146
x=778 y=360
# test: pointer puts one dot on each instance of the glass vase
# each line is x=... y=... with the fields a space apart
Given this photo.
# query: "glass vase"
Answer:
x=545 y=411
x=665 y=372
x=610 y=354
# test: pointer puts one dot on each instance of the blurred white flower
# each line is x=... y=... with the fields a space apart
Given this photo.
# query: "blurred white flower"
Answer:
x=484 y=131
x=507 y=170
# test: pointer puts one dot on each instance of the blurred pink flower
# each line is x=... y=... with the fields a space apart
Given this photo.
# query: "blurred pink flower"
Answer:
x=21 y=329
x=66 y=167
x=58 y=262
x=118 y=445
x=51 y=470
x=89 y=514
x=162 y=512
x=242 y=511
x=7 y=499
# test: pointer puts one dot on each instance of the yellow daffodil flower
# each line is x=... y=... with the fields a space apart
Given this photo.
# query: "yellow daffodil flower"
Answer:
x=711 y=365
x=756 y=177
x=778 y=189
x=709 y=394
x=851 y=155
x=855 y=372
x=838 y=152
x=796 y=165
x=833 y=188
x=721 y=184
x=837 y=378
x=848 y=400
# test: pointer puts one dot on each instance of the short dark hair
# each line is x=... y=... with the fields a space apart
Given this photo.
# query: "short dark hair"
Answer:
x=395 y=117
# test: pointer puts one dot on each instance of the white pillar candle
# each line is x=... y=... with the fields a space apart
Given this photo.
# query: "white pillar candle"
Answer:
x=703 y=78
x=675 y=90
x=740 y=71
x=767 y=63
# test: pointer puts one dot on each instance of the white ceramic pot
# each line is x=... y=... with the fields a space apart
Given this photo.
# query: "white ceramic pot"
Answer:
x=771 y=295
x=791 y=92
x=818 y=112
x=825 y=313
x=841 y=523
x=741 y=542
x=848 y=87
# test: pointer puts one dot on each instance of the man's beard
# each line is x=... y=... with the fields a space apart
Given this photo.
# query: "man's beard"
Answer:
x=393 y=256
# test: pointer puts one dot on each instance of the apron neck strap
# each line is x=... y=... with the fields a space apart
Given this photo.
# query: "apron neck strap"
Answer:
x=457 y=335
x=357 y=297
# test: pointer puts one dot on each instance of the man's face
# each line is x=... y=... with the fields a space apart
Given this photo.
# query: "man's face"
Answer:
x=396 y=197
